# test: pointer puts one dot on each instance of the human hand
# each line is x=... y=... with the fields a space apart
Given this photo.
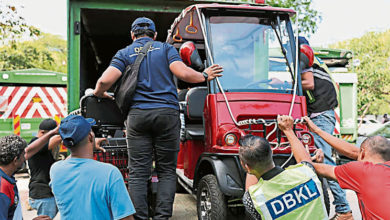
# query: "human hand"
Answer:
x=310 y=124
x=102 y=95
x=275 y=81
x=285 y=122
x=318 y=156
x=213 y=71
x=54 y=131
x=98 y=142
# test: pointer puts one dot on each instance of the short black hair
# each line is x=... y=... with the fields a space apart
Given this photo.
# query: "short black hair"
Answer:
x=143 y=32
x=378 y=145
x=255 y=151
x=11 y=146
x=47 y=124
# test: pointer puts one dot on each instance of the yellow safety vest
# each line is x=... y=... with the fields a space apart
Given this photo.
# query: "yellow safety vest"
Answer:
x=296 y=193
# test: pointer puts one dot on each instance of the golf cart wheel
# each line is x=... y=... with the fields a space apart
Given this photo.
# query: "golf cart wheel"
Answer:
x=211 y=203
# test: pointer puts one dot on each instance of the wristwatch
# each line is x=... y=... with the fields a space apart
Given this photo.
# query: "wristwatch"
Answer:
x=205 y=75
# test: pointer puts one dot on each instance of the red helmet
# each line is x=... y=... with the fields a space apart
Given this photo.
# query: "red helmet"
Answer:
x=190 y=56
x=306 y=56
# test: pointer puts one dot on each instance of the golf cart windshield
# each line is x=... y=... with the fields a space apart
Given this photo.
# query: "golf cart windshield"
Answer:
x=250 y=52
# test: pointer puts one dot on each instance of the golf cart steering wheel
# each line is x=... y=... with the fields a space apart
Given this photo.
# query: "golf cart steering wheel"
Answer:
x=256 y=83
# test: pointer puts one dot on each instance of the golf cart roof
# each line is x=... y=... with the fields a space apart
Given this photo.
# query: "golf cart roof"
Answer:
x=189 y=17
x=291 y=12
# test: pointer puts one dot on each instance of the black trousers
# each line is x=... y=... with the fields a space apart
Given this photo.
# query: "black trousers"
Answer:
x=148 y=130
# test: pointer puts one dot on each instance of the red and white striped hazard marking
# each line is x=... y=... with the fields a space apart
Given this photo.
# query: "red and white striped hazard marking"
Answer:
x=34 y=102
x=337 y=116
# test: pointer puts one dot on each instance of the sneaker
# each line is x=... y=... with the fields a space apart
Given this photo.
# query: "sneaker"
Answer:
x=342 y=216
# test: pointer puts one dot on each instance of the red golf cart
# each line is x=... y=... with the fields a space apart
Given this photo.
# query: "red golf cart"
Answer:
x=256 y=47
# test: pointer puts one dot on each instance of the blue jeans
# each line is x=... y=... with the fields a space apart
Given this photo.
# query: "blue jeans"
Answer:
x=326 y=121
x=45 y=206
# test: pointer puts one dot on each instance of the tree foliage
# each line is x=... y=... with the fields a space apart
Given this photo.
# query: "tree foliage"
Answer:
x=308 y=17
x=373 y=51
x=47 y=52
x=13 y=26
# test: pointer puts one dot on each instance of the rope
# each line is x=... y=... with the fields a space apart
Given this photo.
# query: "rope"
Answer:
x=296 y=76
x=202 y=25
x=296 y=66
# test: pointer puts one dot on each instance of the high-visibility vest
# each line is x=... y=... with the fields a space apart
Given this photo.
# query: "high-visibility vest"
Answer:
x=295 y=193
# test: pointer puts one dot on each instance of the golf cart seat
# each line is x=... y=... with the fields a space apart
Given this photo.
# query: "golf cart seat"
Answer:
x=195 y=99
x=106 y=114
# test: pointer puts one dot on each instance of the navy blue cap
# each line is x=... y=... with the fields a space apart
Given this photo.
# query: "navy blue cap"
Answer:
x=143 y=23
x=74 y=129
x=303 y=40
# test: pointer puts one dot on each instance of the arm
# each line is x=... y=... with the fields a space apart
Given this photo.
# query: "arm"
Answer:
x=325 y=170
x=5 y=201
x=187 y=74
x=54 y=141
x=249 y=207
x=108 y=78
x=285 y=124
x=98 y=143
x=37 y=145
x=340 y=145
x=307 y=80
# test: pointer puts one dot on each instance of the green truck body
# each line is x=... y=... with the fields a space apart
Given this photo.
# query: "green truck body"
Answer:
x=29 y=96
x=337 y=60
x=347 y=109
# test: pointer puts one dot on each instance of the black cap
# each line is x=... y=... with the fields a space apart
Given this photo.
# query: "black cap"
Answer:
x=47 y=124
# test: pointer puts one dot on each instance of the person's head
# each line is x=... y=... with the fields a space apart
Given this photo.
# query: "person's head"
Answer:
x=143 y=27
x=76 y=133
x=12 y=151
x=255 y=154
x=306 y=53
x=303 y=40
x=46 y=126
x=375 y=148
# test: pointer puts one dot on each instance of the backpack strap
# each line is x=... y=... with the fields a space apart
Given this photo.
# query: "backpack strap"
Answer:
x=141 y=55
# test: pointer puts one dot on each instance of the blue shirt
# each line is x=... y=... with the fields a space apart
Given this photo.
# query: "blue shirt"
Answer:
x=156 y=87
x=88 y=189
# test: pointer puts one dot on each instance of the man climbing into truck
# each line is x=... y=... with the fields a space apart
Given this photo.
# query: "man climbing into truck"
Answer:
x=153 y=120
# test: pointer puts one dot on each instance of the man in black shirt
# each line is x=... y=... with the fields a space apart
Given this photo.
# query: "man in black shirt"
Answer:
x=41 y=197
x=321 y=99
